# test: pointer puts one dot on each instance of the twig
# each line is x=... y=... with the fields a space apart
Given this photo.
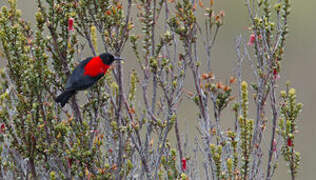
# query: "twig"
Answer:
x=274 y=124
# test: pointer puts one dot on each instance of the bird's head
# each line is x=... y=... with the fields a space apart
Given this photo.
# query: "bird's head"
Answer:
x=108 y=58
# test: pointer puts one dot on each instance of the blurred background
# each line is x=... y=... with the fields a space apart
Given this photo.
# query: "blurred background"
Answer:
x=298 y=66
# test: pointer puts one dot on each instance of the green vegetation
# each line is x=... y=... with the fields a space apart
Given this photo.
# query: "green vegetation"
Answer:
x=121 y=128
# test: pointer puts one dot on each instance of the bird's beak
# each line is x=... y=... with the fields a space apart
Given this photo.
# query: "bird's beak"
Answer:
x=118 y=58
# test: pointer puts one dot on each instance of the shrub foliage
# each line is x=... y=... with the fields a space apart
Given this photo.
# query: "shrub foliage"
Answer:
x=121 y=127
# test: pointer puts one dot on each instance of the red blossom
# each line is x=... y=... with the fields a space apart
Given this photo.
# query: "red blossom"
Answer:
x=33 y=138
x=252 y=39
x=219 y=85
x=232 y=80
x=275 y=74
x=289 y=142
x=108 y=12
x=71 y=24
x=184 y=164
x=2 y=128
x=69 y=160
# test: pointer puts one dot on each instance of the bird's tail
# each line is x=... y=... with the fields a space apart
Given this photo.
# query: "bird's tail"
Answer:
x=64 y=97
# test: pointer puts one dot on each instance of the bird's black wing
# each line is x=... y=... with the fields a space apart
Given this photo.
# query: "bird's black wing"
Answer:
x=79 y=81
x=85 y=62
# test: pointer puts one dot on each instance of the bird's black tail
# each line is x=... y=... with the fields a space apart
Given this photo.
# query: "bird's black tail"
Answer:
x=64 y=97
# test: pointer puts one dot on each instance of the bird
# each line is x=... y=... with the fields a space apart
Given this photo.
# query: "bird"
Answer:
x=86 y=74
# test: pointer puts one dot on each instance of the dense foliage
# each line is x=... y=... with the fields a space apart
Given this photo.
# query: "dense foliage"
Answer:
x=121 y=128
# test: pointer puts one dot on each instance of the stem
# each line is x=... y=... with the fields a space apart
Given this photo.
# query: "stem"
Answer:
x=76 y=109
x=154 y=97
x=139 y=145
x=274 y=121
x=33 y=170
x=118 y=116
x=161 y=150
x=178 y=139
x=88 y=38
x=292 y=166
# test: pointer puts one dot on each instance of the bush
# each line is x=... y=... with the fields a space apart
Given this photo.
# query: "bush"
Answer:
x=121 y=129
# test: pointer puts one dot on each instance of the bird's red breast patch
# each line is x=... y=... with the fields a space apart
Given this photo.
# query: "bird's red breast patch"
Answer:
x=95 y=67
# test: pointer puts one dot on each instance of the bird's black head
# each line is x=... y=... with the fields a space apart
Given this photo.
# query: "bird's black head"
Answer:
x=108 y=58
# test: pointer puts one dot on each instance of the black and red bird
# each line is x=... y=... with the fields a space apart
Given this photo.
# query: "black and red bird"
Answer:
x=88 y=72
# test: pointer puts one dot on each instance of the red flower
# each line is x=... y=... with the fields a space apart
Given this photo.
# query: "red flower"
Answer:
x=69 y=160
x=71 y=24
x=108 y=12
x=275 y=74
x=184 y=164
x=219 y=85
x=232 y=80
x=2 y=128
x=226 y=88
x=289 y=142
x=252 y=39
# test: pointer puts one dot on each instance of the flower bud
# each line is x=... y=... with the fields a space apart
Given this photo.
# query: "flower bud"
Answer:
x=292 y=92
